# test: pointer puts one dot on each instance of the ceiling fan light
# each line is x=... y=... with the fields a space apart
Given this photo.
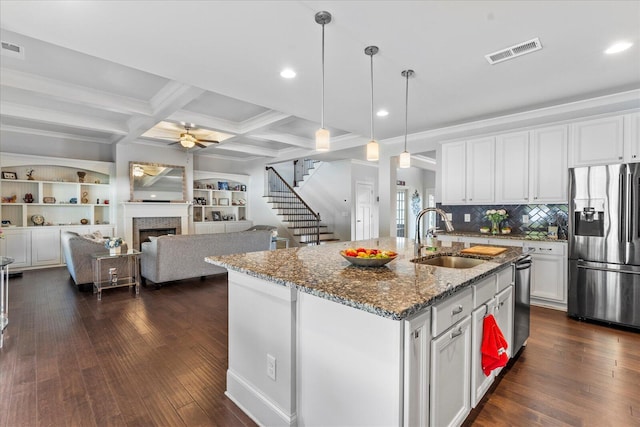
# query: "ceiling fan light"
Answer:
x=323 y=139
x=373 y=151
x=187 y=140
x=405 y=160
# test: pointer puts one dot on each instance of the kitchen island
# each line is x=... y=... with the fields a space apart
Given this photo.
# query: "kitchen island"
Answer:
x=314 y=340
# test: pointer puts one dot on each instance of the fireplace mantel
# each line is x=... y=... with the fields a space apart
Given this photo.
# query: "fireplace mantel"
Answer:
x=151 y=209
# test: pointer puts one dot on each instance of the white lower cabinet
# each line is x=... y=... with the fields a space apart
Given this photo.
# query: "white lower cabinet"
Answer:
x=451 y=375
x=548 y=274
x=45 y=247
x=17 y=245
x=480 y=383
x=504 y=316
x=416 y=369
x=212 y=227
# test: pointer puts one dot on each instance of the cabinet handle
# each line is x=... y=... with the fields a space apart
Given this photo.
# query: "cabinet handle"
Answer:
x=456 y=333
x=634 y=156
x=545 y=249
x=416 y=334
x=457 y=310
x=619 y=157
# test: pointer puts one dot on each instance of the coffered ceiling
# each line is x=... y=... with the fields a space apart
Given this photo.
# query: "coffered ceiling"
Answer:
x=108 y=72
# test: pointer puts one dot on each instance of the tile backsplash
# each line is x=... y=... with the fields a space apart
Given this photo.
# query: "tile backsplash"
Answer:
x=540 y=217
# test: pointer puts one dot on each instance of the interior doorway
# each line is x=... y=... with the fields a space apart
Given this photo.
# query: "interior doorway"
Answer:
x=364 y=210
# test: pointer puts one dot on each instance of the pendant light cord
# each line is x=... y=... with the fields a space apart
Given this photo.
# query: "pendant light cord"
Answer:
x=372 y=97
x=322 y=112
x=406 y=114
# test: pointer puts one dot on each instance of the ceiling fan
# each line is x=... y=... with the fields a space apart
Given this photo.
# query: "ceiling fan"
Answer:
x=187 y=140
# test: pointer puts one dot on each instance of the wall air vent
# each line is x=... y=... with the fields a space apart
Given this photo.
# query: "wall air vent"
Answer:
x=12 y=50
x=514 y=51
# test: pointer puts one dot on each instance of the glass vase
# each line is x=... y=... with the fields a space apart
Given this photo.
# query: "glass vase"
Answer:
x=495 y=227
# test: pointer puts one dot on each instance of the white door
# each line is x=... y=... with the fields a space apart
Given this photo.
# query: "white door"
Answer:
x=364 y=209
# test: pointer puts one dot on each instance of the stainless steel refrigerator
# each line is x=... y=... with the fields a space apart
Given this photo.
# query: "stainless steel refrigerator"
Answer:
x=604 y=244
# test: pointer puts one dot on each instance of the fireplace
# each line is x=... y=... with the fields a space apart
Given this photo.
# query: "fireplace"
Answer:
x=154 y=226
x=138 y=216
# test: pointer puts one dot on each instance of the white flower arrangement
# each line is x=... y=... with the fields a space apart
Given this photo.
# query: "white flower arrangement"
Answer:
x=112 y=242
x=494 y=215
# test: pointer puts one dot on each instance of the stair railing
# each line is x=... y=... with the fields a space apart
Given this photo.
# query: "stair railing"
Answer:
x=308 y=219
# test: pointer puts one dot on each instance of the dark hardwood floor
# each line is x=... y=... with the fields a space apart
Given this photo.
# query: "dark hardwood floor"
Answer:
x=160 y=359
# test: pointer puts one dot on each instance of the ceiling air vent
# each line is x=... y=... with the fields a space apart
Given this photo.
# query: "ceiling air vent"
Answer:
x=12 y=50
x=514 y=51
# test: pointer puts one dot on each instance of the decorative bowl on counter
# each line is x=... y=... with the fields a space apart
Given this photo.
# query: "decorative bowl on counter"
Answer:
x=368 y=257
x=506 y=230
x=485 y=229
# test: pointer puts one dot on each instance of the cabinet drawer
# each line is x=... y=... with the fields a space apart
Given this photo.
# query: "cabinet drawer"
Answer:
x=543 y=248
x=506 y=242
x=484 y=290
x=450 y=311
x=505 y=279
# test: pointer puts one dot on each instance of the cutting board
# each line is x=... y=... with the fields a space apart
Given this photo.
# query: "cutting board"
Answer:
x=484 y=250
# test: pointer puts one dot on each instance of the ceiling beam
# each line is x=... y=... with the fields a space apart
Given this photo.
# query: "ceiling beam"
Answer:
x=42 y=115
x=72 y=93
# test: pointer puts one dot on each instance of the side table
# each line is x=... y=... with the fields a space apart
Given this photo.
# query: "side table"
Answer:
x=116 y=279
x=4 y=295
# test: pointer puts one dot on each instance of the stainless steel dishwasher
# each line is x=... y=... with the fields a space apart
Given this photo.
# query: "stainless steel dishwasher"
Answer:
x=522 y=309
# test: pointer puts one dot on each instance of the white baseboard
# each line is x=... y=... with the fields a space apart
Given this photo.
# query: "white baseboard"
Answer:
x=256 y=405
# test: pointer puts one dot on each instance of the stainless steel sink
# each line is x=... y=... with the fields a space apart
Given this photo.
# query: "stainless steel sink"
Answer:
x=450 y=261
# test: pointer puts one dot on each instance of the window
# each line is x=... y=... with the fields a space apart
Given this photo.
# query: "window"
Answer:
x=401 y=213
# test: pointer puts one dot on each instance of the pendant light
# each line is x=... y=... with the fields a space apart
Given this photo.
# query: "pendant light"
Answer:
x=373 y=149
x=405 y=157
x=322 y=134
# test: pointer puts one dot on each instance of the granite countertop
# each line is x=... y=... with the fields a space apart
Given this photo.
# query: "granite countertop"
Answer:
x=396 y=291
x=538 y=237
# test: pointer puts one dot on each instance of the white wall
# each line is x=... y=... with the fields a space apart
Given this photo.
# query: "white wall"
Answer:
x=328 y=191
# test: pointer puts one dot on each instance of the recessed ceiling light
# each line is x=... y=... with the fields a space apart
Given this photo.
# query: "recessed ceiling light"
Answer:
x=287 y=73
x=618 y=47
x=382 y=113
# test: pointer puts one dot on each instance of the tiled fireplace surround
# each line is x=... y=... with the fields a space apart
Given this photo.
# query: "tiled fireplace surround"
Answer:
x=540 y=217
x=148 y=216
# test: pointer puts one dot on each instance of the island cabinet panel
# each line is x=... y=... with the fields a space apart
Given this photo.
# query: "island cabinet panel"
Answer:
x=480 y=382
x=262 y=330
x=349 y=365
x=450 y=402
x=417 y=351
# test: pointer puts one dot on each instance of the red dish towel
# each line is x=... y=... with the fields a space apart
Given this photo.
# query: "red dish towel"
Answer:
x=494 y=346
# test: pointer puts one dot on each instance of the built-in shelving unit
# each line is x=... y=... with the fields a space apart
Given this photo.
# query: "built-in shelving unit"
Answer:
x=220 y=198
x=68 y=194
x=57 y=195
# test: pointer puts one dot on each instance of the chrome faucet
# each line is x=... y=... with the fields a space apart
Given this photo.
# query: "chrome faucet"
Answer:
x=418 y=241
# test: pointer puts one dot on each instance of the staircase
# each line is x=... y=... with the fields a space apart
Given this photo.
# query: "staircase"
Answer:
x=303 y=223
x=301 y=170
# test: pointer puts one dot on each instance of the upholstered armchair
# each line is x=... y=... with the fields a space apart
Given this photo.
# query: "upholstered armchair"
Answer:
x=77 y=251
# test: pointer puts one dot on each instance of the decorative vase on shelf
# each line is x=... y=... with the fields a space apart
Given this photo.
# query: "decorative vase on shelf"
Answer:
x=114 y=251
x=495 y=227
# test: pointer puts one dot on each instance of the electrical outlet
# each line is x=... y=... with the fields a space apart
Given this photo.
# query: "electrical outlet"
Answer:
x=271 y=367
x=467 y=217
x=525 y=219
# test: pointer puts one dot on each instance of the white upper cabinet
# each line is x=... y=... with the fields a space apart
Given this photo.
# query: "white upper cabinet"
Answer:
x=597 y=142
x=480 y=170
x=632 y=138
x=512 y=168
x=549 y=165
x=453 y=172
x=468 y=172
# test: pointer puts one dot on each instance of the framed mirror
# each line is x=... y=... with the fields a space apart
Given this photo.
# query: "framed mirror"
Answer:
x=156 y=182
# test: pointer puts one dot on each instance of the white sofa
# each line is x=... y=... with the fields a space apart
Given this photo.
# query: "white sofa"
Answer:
x=176 y=257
